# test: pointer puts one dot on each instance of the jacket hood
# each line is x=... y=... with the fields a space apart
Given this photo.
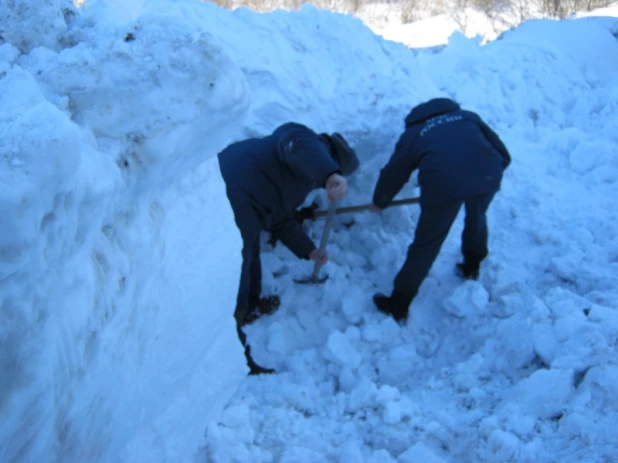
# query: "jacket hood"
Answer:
x=341 y=152
x=431 y=108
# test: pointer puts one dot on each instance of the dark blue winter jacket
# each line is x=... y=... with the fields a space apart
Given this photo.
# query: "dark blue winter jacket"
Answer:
x=457 y=154
x=275 y=174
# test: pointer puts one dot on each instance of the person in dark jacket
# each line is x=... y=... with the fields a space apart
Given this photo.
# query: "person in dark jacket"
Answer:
x=460 y=160
x=266 y=180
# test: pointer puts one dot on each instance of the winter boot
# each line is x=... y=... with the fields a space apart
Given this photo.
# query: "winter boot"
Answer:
x=468 y=270
x=265 y=306
x=396 y=306
x=254 y=367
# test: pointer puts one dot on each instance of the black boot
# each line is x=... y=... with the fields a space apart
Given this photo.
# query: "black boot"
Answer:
x=254 y=367
x=265 y=306
x=468 y=270
x=397 y=305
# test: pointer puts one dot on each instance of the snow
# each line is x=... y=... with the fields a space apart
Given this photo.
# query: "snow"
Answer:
x=27 y=25
x=119 y=256
x=435 y=30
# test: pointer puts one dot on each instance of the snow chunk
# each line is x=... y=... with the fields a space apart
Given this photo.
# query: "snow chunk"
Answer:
x=8 y=54
x=545 y=393
x=363 y=395
x=603 y=382
x=514 y=344
x=468 y=299
x=236 y=416
x=387 y=394
x=28 y=24
x=347 y=380
x=582 y=346
x=276 y=339
x=351 y=453
x=419 y=453
x=501 y=447
x=19 y=92
x=342 y=350
x=398 y=409
x=352 y=305
x=299 y=454
x=398 y=364
x=380 y=456
x=593 y=154
x=371 y=333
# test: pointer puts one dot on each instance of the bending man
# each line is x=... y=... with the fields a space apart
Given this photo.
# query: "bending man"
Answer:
x=460 y=160
x=266 y=180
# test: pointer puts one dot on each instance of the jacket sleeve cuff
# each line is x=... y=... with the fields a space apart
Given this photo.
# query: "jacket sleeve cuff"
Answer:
x=381 y=202
x=291 y=234
x=381 y=198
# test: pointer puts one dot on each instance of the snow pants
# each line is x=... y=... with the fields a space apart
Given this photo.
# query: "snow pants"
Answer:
x=250 y=285
x=432 y=229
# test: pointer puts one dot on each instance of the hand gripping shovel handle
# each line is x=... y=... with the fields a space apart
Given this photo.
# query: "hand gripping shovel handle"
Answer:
x=365 y=207
x=327 y=226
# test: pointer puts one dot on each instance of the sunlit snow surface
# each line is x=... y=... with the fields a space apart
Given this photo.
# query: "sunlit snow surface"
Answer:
x=119 y=256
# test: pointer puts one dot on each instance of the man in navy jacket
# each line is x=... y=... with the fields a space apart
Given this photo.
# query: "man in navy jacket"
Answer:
x=266 y=180
x=460 y=160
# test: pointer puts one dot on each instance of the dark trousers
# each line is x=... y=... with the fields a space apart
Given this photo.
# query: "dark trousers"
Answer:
x=432 y=229
x=250 y=285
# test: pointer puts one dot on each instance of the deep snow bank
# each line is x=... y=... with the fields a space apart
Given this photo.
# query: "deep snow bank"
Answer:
x=118 y=251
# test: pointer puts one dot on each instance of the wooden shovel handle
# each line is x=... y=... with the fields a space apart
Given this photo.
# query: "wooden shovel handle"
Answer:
x=327 y=226
x=365 y=207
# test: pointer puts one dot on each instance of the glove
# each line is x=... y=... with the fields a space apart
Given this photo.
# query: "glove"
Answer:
x=306 y=213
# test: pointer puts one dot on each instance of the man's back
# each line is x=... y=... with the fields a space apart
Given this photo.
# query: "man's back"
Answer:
x=455 y=159
x=255 y=169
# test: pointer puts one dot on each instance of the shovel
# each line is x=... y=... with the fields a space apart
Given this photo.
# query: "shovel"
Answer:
x=315 y=276
x=365 y=207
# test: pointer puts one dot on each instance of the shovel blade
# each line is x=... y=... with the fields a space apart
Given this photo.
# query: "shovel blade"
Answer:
x=315 y=276
x=312 y=280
